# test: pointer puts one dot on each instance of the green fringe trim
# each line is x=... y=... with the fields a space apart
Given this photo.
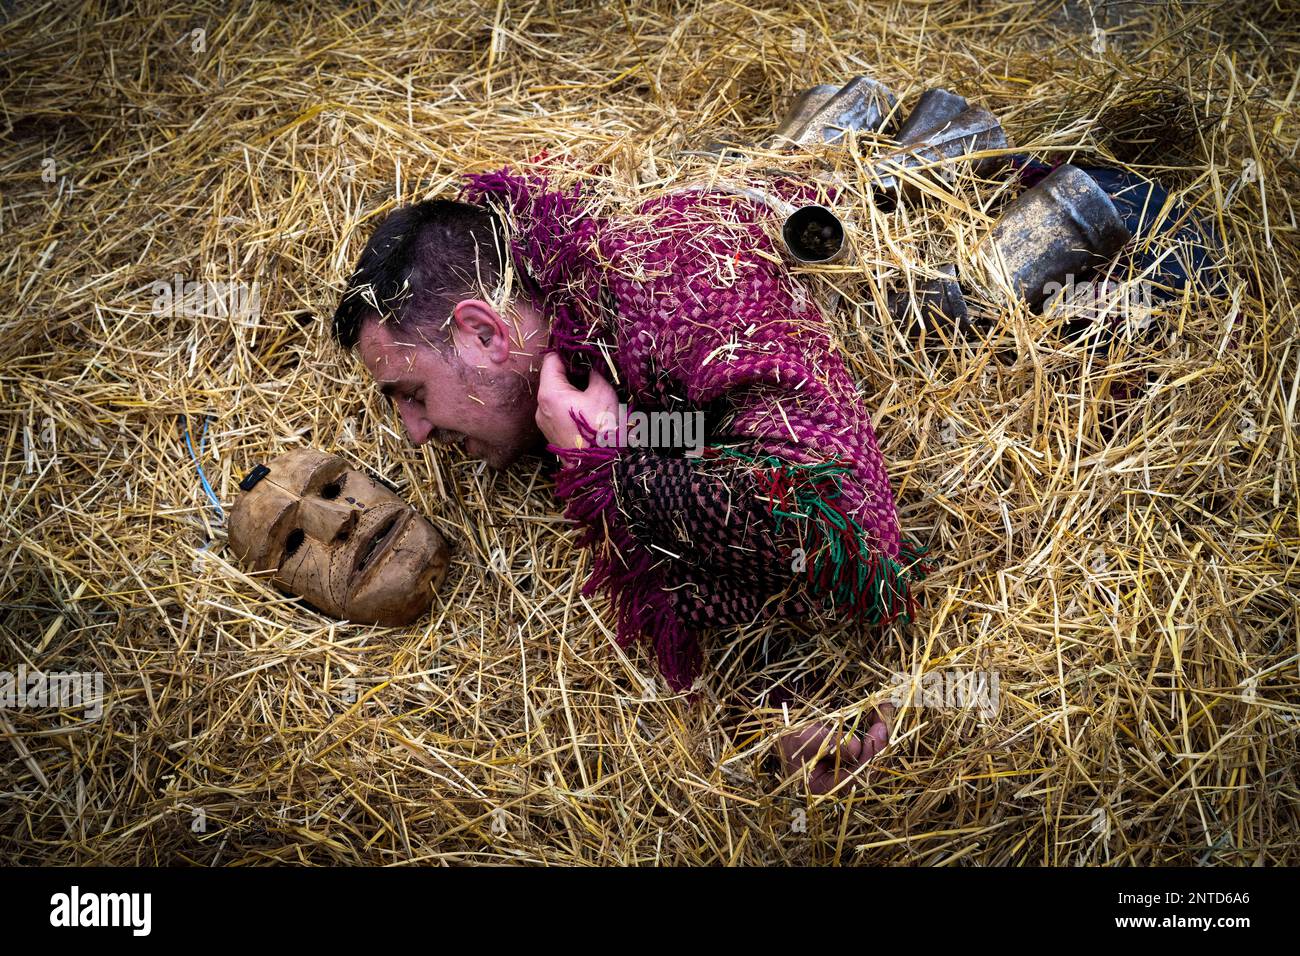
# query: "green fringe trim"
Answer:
x=845 y=570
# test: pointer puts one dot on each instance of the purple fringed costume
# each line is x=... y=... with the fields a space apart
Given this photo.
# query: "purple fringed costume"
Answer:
x=685 y=304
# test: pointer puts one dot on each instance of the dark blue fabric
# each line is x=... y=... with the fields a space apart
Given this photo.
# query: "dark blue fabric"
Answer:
x=1139 y=202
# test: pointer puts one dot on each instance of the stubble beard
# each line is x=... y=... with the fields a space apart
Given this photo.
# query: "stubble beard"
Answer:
x=511 y=395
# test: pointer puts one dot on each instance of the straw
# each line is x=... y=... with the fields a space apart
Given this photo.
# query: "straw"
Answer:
x=1115 y=532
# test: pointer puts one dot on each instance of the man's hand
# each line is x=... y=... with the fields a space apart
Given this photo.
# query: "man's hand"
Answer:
x=556 y=399
x=829 y=760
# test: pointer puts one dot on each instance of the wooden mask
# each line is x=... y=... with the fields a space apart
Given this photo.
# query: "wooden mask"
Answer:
x=338 y=539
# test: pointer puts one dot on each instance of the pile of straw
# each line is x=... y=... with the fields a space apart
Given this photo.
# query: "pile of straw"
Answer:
x=1116 y=532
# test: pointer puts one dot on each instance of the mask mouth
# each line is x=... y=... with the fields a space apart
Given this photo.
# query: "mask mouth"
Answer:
x=380 y=542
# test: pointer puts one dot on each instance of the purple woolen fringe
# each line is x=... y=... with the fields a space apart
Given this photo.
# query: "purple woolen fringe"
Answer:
x=551 y=250
x=630 y=572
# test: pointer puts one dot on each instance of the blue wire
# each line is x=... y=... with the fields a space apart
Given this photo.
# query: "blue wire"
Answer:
x=203 y=479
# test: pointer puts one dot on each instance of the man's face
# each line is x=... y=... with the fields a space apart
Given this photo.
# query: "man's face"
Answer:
x=454 y=394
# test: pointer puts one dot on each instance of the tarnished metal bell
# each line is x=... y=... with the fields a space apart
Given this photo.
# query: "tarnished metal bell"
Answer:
x=934 y=299
x=803 y=107
x=814 y=235
x=819 y=116
x=973 y=130
x=933 y=108
x=1064 y=226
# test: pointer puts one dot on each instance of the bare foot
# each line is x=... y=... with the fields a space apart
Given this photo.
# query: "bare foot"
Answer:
x=829 y=760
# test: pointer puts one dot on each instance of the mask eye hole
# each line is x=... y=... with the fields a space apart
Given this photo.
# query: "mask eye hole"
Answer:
x=332 y=490
x=294 y=541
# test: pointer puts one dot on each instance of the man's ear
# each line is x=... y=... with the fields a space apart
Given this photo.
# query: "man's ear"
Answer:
x=478 y=329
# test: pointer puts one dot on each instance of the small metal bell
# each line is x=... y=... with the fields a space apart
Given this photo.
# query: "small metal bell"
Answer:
x=814 y=235
x=972 y=130
x=933 y=108
x=933 y=298
x=803 y=107
x=815 y=117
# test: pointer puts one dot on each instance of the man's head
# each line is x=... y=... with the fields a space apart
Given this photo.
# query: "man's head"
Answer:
x=427 y=311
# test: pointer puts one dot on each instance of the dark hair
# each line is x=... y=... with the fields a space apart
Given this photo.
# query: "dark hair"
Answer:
x=419 y=263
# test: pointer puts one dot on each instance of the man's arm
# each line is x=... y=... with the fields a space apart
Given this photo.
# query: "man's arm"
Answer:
x=777 y=527
x=741 y=530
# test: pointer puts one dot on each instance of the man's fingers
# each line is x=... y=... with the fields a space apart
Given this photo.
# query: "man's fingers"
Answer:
x=822 y=780
x=877 y=739
x=823 y=742
x=853 y=769
x=832 y=762
x=803 y=745
x=599 y=389
x=826 y=775
x=554 y=377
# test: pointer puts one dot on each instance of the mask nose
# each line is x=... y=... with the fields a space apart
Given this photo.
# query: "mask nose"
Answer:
x=326 y=520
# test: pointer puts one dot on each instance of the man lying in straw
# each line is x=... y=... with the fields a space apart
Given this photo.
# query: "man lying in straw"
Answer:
x=523 y=312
